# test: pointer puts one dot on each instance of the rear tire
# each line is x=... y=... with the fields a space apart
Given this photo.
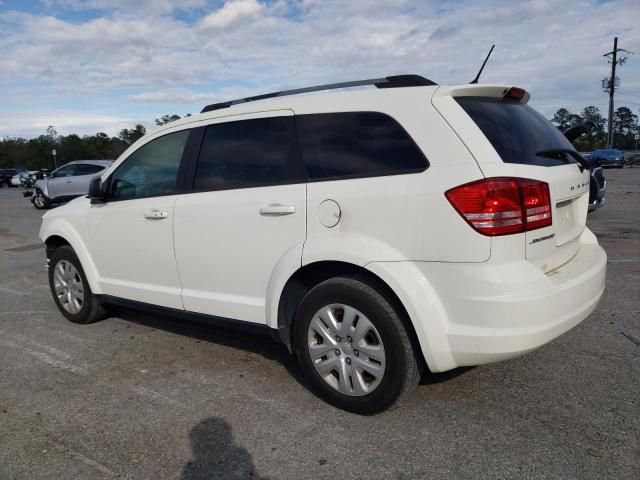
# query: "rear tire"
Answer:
x=354 y=346
x=70 y=290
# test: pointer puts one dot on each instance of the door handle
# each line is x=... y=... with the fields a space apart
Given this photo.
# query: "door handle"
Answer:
x=68 y=181
x=277 y=210
x=155 y=214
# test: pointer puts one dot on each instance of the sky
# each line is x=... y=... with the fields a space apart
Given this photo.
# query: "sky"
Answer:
x=88 y=66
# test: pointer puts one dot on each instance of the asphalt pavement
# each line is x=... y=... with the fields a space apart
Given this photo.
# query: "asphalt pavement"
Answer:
x=144 y=397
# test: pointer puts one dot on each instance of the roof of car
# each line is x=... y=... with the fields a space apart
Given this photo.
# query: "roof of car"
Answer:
x=320 y=100
x=397 y=81
x=92 y=162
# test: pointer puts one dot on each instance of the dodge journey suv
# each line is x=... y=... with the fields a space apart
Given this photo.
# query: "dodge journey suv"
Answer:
x=375 y=233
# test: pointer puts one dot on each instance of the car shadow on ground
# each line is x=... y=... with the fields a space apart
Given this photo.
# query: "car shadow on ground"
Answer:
x=228 y=337
x=255 y=343
x=429 y=378
x=215 y=455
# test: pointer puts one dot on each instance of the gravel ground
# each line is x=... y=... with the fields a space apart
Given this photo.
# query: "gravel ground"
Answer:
x=146 y=397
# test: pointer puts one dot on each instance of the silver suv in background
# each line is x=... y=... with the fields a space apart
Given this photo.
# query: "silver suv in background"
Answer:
x=67 y=182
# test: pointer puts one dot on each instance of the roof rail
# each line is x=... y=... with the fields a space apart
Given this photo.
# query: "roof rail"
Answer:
x=395 y=81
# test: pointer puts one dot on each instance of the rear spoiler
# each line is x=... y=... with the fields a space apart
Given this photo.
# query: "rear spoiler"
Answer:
x=510 y=93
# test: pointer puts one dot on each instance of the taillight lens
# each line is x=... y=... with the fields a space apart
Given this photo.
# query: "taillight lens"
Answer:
x=503 y=205
x=514 y=93
x=536 y=203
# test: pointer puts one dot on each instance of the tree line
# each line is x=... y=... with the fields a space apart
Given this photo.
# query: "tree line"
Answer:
x=625 y=126
x=36 y=153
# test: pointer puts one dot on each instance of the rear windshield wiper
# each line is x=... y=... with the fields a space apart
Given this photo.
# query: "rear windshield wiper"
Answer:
x=562 y=153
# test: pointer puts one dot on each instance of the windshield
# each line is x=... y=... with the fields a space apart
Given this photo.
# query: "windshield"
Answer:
x=519 y=133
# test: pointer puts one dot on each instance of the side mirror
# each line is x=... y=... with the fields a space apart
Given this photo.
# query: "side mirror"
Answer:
x=96 y=192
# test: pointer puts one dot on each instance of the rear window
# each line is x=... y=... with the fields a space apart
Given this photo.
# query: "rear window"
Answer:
x=355 y=145
x=87 y=169
x=517 y=132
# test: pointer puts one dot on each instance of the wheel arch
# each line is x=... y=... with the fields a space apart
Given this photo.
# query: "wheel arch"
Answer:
x=53 y=242
x=60 y=233
x=310 y=275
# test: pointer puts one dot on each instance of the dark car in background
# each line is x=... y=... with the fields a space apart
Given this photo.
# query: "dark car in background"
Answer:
x=6 y=174
x=607 y=158
x=597 y=182
x=597 y=188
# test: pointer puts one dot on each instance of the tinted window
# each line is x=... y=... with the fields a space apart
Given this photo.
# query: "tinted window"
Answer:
x=151 y=170
x=87 y=169
x=356 y=144
x=248 y=153
x=67 y=171
x=517 y=132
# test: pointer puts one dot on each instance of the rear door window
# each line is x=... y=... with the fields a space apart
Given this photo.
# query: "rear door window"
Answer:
x=249 y=153
x=355 y=145
x=67 y=171
x=518 y=133
x=87 y=169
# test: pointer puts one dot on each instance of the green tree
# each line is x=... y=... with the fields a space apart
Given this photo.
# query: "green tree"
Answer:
x=592 y=114
x=163 y=120
x=597 y=137
x=564 y=119
x=624 y=121
x=97 y=145
x=72 y=147
x=625 y=125
x=131 y=135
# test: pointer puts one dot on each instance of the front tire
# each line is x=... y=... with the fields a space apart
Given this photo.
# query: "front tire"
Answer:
x=41 y=201
x=354 y=346
x=70 y=289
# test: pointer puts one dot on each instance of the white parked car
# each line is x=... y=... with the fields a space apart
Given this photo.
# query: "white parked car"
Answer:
x=374 y=232
x=16 y=179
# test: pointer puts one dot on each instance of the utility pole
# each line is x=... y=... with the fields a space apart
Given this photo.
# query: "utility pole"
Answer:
x=611 y=85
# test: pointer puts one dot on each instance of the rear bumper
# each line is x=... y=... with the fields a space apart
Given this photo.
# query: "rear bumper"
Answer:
x=483 y=313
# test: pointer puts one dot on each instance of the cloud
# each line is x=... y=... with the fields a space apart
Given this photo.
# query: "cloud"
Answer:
x=128 y=7
x=144 y=55
x=25 y=124
x=230 y=13
x=184 y=96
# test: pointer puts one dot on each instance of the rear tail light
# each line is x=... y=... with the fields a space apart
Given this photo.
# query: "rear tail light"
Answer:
x=503 y=205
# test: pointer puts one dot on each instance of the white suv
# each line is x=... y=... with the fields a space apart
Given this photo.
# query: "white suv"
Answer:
x=373 y=232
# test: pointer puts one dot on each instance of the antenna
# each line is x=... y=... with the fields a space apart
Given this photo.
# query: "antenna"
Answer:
x=475 y=80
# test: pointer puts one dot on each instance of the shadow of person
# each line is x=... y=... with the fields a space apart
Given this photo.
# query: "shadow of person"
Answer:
x=215 y=456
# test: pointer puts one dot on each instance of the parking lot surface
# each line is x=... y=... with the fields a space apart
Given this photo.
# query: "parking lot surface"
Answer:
x=143 y=397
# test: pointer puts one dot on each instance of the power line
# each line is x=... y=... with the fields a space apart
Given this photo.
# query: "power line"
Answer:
x=631 y=103
x=622 y=92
